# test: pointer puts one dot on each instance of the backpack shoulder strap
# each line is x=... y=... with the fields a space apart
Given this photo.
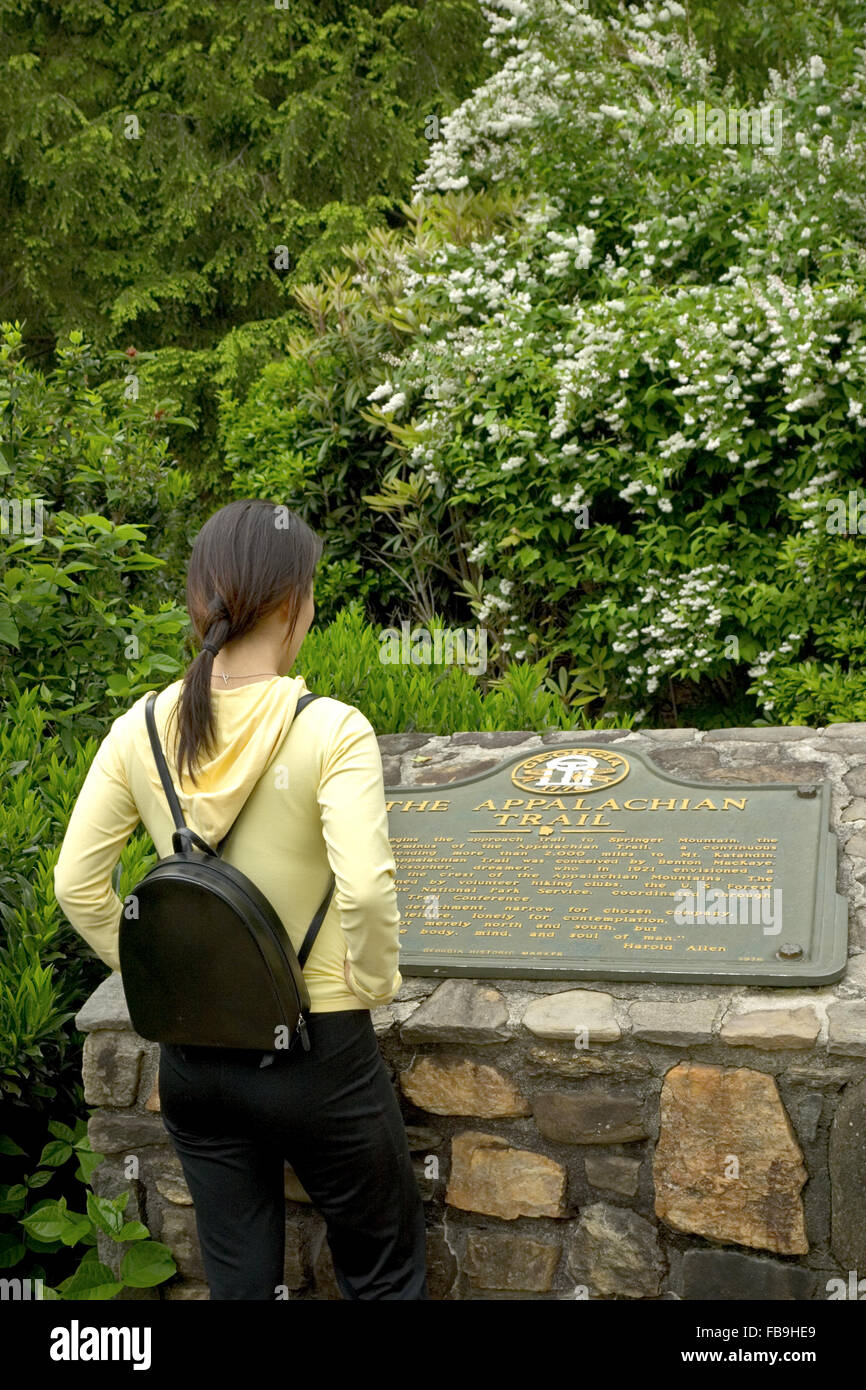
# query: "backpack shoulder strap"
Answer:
x=313 y=928
x=184 y=835
x=161 y=765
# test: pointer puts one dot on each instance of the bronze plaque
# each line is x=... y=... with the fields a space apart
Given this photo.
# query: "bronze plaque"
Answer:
x=589 y=863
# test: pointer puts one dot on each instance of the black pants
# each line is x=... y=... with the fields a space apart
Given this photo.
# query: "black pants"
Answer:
x=332 y=1113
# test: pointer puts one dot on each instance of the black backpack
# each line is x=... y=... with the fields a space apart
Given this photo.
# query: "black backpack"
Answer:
x=206 y=961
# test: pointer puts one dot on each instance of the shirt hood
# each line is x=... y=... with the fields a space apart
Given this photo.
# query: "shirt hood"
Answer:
x=250 y=724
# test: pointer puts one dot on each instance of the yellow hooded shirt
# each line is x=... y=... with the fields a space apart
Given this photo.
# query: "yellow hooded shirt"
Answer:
x=309 y=801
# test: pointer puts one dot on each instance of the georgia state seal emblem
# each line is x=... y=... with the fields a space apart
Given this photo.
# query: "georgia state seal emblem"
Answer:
x=570 y=770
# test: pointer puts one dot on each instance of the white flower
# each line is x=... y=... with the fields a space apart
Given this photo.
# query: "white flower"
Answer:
x=816 y=67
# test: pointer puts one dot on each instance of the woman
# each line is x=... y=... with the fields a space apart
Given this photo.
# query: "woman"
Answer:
x=313 y=803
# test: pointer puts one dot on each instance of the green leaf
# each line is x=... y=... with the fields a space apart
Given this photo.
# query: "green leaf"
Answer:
x=55 y=1153
x=133 y=1230
x=9 y=633
x=54 y=1221
x=87 y=1167
x=91 y=1280
x=8 y=1146
x=147 y=1264
x=40 y=1178
x=104 y=1213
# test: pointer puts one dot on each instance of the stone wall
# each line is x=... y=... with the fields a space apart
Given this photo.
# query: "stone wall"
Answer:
x=708 y=1143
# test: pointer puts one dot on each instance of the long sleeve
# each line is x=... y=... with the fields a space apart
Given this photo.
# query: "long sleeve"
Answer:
x=103 y=818
x=351 y=799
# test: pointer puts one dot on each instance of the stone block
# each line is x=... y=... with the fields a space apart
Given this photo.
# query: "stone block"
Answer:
x=582 y=1063
x=395 y=744
x=809 y=1117
x=105 y=1008
x=495 y=1260
x=693 y=761
x=847 y=1030
x=113 y=1132
x=489 y=1176
x=572 y=1013
x=716 y=1276
x=855 y=780
x=459 y=1011
x=855 y=845
x=847 y=1164
x=727 y=1164
x=677 y=1023
x=442 y=1268
x=174 y=1190
x=616 y=1253
x=459 y=1086
x=111 y=1067
x=152 y=1104
x=589 y=1116
x=294 y=1265
x=178 y=1232
x=613 y=1172
x=771 y=1028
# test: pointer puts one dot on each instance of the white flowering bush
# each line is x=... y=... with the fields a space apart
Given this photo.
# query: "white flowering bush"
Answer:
x=627 y=371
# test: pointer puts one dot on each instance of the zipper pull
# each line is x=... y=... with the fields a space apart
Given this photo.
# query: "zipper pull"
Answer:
x=304 y=1035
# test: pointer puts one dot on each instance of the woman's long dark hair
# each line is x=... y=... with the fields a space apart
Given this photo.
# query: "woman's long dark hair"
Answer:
x=248 y=558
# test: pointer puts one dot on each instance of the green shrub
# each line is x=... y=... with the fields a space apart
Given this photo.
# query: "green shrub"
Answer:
x=344 y=661
x=44 y=1232
x=604 y=391
x=152 y=170
x=86 y=611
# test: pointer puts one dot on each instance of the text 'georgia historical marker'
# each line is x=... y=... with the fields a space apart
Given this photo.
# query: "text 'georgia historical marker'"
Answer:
x=583 y=863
